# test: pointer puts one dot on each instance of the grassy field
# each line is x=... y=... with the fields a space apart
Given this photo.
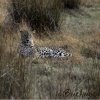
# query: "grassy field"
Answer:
x=77 y=77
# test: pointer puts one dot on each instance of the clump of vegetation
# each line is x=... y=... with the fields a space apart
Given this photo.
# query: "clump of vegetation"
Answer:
x=15 y=79
x=40 y=14
x=90 y=53
x=71 y=4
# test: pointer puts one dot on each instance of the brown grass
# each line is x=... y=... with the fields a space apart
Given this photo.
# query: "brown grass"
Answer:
x=15 y=71
x=48 y=78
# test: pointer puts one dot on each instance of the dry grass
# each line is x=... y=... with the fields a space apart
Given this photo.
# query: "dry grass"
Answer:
x=25 y=78
x=15 y=71
x=3 y=10
x=90 y=2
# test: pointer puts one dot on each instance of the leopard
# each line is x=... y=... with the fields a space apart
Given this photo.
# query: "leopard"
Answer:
x=27 y=48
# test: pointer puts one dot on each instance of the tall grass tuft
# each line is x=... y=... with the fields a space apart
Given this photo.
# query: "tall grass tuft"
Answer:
x=40 y=14
x=15 y=71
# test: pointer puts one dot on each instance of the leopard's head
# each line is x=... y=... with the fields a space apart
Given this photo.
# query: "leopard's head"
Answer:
x=26 y=38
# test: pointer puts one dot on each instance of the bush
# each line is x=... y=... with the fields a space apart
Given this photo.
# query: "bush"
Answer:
x=40 y=14
x=71 y=4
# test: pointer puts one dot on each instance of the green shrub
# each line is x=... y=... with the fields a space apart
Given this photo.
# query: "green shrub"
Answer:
x=40 y=14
